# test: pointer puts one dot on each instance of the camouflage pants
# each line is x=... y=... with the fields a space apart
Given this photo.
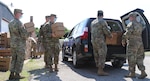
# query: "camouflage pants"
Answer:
x=18 y=56
x=100 y=51
x=45 y=54
x=135 y=54
x=51 y=53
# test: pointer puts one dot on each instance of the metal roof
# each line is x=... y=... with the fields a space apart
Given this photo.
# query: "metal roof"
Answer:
x=1 y=3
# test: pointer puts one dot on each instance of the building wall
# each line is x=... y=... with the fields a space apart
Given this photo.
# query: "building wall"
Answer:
x=5 y=14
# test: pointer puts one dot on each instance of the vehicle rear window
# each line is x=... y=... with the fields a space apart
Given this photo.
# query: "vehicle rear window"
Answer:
x=115 y=26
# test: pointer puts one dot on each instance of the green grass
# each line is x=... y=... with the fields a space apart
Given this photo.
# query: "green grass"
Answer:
x=147 y=53
x=31 y=65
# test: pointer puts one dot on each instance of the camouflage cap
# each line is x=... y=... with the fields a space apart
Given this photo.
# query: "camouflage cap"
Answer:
x=100 y=11
x=47 y=16
x=17 y=11
x=53 y=15
x=132 y=14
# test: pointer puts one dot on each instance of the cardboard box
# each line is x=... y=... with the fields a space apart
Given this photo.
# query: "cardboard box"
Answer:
x=58 y=29
x=4 y=63
x=116 y=40
x=29 y=26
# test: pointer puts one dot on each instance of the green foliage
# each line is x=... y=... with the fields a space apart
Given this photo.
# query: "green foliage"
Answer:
x=66 y=30
x=37 y=31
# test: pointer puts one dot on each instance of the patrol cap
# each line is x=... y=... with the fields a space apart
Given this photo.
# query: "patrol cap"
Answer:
x=132 y=14
x=53 y=15
x=17 y=11
x=47 y=16
x=99 y=13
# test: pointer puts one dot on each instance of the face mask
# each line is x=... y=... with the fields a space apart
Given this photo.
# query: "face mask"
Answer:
x=55 y=19
x=21 y=17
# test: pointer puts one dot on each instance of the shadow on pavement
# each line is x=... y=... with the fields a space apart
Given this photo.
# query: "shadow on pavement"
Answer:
x=90 y=71
x=43 y=75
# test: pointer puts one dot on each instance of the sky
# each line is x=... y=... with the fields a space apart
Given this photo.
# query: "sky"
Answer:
x=71 y=12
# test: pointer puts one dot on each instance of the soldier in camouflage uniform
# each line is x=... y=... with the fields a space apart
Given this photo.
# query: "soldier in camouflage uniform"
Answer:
x=51 y=43
x=135 y=49
x=99 y=29
x=18 y=42
x=41 y=40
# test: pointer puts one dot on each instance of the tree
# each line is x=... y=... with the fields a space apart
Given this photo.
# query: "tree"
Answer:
x=37 y=31
x=66 y=30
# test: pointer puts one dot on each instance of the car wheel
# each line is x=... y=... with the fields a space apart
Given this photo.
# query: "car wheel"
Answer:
x=63 y=56
x=117 y=64
x=75 y=61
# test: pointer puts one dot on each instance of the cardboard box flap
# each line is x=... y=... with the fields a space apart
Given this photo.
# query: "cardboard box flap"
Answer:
x=57 y=24
x=29 y=24
x=58 y=29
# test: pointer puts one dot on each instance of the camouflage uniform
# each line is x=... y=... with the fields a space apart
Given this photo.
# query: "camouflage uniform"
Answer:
x=135 y=49
x=33 y=46
x=18 y=42
x=99 y=29
x=41 y=39
x=50 y=44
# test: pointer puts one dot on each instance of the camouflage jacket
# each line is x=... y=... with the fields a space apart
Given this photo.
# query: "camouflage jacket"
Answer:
x=18 y=33
x=46 y=33
x=99 y=29
x=133 y=31
x=40 y=37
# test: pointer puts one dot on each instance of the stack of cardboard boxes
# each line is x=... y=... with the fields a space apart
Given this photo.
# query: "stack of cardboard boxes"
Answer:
x=5 y=51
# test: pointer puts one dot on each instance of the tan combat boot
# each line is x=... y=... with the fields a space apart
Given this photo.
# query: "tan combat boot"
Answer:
x=11 y=76
x=50 y=68
x=17 y=76
x=101 y=72
x=131 y=75
x=143 y=75
x=56 y=67
x=46 y=65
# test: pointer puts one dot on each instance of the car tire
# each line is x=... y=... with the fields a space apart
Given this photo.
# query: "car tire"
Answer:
x=117 y=64
x=74 y=60
x=63 y=56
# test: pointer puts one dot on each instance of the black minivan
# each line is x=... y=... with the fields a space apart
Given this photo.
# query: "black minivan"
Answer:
x=77 y=44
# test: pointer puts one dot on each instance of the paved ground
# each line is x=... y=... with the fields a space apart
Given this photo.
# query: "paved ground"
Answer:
x=86 y=73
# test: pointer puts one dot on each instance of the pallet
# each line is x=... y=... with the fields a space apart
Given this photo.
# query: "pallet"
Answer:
x=5 y=52
x=4 y=63
x=3 y=40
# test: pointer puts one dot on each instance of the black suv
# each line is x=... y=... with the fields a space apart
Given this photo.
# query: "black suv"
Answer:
x=77 y=44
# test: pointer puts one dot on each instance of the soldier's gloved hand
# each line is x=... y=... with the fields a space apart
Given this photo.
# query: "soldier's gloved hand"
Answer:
x=123 y=43
x=110 y=37
x=53 y=35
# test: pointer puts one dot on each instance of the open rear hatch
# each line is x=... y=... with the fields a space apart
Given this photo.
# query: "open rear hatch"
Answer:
x=142 y=19
x=116 y=30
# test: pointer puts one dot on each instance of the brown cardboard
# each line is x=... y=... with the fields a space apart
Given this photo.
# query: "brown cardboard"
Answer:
x=58 y=29
x=116 y=40
x=29 y=26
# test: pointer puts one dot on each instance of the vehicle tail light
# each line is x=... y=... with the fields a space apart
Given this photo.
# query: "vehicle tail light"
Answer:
x=85 y=48
x=85 y=34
